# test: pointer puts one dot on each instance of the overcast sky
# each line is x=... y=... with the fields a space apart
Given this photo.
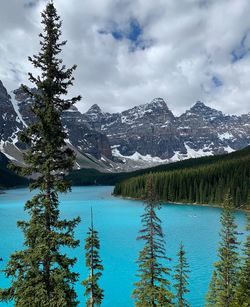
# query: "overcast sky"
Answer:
x=131 y=51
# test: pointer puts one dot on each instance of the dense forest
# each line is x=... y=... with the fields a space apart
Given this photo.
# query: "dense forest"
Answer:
x=8 y=178
x=95 y=177
x=207 y=183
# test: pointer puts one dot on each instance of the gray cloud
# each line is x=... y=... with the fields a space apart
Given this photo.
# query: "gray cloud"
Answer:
x=185 y=50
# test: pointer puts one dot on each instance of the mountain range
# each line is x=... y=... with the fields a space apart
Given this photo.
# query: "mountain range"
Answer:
x=139 y=137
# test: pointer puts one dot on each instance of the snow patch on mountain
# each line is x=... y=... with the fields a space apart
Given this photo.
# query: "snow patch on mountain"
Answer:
x=229 y=149
x=225 y=136
x=192 y=153
x=16 y=108
x=138 y=157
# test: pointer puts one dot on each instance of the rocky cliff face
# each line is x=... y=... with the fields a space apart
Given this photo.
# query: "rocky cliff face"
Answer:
x=10 y=124
x=81 y=136
x=146 y=129
x=142 y=136
x=151 y=130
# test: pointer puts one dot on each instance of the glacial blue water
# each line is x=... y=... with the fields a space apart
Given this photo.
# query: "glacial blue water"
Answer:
x=118 y=223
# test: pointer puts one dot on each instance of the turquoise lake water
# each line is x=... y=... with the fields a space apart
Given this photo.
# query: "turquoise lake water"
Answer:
x=118 y=223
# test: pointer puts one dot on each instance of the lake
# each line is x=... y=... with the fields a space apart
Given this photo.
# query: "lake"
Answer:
x=118 y=223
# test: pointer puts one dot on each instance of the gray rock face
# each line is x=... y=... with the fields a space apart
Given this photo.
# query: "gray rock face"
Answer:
x=205 y=128
x=81 y=135
x=138 y=136
x=10 y=124
x=147 y=129
x=152 y=129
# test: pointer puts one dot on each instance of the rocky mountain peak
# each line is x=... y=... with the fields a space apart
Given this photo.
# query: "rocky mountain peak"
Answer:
x=95 y=115
x=154 y=108
x=158 y=103
x=200 y=109
x=94 y=109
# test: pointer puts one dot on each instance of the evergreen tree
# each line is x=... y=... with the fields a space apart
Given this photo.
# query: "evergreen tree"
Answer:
x=93 y=262
x=242 y=297
x=153 y=287
x=212 y=295
x=227 y=266
x=41 y=273
x=181 y=277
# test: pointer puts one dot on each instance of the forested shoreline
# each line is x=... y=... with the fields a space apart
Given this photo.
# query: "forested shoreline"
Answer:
x=202 y=184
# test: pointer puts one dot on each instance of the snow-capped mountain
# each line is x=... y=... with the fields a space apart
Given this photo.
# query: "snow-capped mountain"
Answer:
x=151 y=132
x=142 y=136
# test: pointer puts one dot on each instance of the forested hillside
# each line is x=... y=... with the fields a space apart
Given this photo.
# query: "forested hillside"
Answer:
x=205 y=183
x=95 y=177
x=7 y=177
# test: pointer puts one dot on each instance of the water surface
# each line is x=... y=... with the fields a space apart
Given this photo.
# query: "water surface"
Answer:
x=118 y=223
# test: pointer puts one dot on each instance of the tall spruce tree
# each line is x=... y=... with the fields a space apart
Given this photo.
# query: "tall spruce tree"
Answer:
x=41 y=273
x=93 y=262
x=242 y=296
x=153 y=287
x=212 y=294
x=227 y=266
x=181 y=277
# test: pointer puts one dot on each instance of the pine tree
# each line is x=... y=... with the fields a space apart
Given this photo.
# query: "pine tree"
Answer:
x=181 y=277
x=153 y=287
x=242 y=297
x=94 y=263
x=227 y=266
x=212 y=295
x=41 y=273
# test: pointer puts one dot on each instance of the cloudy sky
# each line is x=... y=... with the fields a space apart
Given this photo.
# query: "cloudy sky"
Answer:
x=131 y=51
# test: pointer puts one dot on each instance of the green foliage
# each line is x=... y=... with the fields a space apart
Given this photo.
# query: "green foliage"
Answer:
x=202 y=184
x=152 y=289
x=181 y=278
x=211 y=297
x=93 y=262
x=41 y=274
x=242 y=296
x=224 y=279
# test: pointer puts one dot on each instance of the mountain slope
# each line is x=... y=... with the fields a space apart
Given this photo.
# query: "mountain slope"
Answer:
x=92 y=176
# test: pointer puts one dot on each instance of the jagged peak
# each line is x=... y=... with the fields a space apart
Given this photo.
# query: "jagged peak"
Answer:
x=157 y=102
x=201 y=108
x=199 y=104
x=94 y=109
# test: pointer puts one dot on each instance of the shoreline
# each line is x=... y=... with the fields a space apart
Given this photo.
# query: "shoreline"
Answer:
x=164 y=202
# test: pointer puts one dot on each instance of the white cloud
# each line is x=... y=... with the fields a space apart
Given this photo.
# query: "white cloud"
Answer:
x=191 y=42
